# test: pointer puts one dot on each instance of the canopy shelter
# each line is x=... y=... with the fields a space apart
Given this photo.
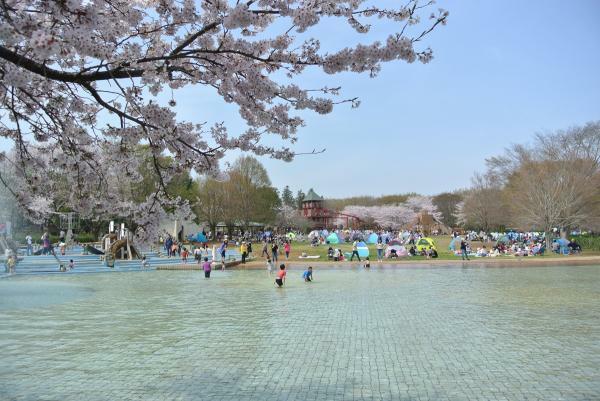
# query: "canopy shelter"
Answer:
x=198 y=237
x=425 y=243
x=454 y=244
x=399 y=250
x=363 y=249
x=333 y=238
x=373 y=238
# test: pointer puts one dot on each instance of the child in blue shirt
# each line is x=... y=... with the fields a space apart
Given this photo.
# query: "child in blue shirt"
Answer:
x=307 y=275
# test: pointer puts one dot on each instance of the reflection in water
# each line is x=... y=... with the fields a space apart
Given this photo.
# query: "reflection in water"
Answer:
x=383 y=334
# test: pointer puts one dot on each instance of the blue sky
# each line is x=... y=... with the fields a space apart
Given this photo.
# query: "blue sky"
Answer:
x=503 y=70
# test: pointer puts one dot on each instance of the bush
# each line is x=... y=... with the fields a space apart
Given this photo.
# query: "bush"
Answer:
x=588 y=242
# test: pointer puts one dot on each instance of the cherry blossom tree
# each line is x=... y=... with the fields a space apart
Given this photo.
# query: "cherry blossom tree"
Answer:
x=393 y=217
x=80 y=83
x=424 y=204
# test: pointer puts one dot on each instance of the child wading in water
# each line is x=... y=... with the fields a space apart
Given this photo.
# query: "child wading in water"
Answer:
x=269 y=266
x=307 y=275
x=206 y=267
x=280 y=276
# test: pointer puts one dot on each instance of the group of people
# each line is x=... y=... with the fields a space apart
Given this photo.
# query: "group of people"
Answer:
x=281 y=275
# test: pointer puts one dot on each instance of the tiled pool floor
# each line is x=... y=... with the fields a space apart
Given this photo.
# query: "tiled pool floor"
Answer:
x=384 y=334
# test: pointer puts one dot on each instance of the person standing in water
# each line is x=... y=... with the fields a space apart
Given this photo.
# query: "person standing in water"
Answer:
x=206 y=266
x=269 y=266
x=280 y=280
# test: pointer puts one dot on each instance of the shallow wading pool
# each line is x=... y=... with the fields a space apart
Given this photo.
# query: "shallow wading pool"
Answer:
x=383 y=334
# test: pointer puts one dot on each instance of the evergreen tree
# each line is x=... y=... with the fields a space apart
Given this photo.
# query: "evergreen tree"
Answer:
x=287 y=197
x=299 y=198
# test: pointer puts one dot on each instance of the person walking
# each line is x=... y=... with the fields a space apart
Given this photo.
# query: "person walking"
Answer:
x=287 y=248
x=463 y=250
x=265 y=249
x=355 y=251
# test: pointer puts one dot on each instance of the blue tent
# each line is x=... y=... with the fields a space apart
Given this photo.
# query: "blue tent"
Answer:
x=372 y=238
x=199 y=237
x=454 y=244
x=363 y=250
x=333 y=238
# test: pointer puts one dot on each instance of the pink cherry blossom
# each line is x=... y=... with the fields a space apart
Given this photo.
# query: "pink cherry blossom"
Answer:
x=80 y=82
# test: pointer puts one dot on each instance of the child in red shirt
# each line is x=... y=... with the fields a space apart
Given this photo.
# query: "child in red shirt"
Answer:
x=280 y=276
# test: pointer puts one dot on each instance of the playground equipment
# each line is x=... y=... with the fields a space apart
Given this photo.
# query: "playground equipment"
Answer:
x=116 y=245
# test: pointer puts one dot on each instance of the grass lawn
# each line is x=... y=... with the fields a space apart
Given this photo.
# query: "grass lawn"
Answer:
x=298 y=248
x=441 y=242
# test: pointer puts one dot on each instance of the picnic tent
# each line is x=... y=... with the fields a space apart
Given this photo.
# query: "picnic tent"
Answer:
x=454 y=244
x=425 y=243
x=290 y=236
x=333 y=238
x=199 y=237
x=313 y=234
x=372 y=239
x=400 y=250
x=363 y=249
x=394 y=242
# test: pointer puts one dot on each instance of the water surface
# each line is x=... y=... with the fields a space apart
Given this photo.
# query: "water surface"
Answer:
x=383 y=334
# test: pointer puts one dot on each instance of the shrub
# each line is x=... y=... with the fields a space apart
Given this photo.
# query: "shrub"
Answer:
x=588 y=242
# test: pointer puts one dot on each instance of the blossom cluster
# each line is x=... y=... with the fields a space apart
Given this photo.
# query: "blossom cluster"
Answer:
x=80 y=85
x=397 y=216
